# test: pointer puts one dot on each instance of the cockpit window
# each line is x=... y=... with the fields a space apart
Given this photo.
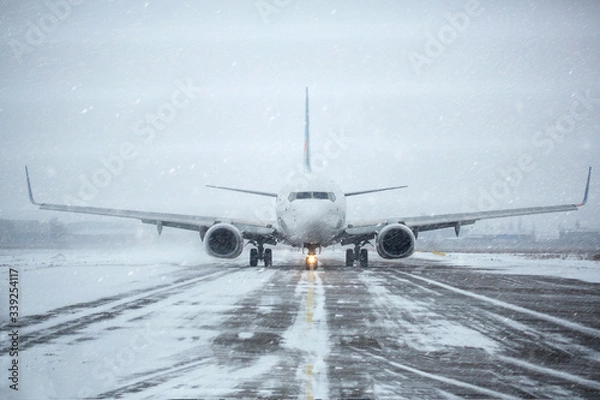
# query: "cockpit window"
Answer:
x=311 y=195
x=304 y=195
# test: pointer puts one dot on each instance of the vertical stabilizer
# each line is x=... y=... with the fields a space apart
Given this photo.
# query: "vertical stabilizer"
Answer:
x=306 y=137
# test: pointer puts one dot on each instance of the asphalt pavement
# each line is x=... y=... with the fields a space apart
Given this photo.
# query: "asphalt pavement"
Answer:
x=419 y=328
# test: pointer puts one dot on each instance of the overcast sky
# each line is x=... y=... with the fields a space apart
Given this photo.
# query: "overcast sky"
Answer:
x=139 y=104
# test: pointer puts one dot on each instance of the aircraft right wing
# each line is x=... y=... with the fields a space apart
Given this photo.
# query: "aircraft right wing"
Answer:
x=250 y=229
x=432 y=222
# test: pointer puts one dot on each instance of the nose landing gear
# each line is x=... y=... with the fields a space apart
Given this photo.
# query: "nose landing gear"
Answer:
x=311 y=262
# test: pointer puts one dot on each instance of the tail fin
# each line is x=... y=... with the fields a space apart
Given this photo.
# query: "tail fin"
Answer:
x=306 y=137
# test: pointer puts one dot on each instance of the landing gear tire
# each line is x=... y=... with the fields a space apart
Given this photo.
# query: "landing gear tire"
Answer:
x=349 y=258
x=253 y=257
x=363 y=258
x=268 y=257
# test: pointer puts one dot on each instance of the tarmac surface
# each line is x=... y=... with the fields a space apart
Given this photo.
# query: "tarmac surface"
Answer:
x=418 y=328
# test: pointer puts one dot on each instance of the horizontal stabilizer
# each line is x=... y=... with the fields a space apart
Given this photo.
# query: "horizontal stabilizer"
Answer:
x=375 y=190
x=267 y=194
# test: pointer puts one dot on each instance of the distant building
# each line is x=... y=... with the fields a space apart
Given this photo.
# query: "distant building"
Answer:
x=30 y=233
x=507 y=237
x=580 y=236
x=568 y=241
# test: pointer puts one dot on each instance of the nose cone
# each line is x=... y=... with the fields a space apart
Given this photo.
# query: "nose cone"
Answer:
x=316 y=222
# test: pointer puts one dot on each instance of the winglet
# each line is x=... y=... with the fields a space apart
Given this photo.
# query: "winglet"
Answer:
x=307 y=167
x=587 y=189
x=29 y=188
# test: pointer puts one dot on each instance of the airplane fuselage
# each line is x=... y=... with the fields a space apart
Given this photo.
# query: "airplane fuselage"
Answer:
x=311 y=211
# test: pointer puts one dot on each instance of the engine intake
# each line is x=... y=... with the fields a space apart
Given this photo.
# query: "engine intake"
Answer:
x=395 y=241
x=224 y=241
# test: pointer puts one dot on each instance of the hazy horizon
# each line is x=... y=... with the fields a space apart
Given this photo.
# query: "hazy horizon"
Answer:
x=473 y=105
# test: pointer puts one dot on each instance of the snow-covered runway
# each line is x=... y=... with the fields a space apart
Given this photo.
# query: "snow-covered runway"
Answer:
x=157 y=325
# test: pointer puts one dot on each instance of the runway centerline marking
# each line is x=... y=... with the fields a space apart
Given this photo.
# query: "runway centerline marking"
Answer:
x=309 y=335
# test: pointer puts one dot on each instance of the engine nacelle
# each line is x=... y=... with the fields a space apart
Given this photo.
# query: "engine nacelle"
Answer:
x=224 y=241
x=395 y=241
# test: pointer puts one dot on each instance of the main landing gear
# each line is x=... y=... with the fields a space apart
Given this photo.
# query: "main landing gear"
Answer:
x=357 y=254
x=260 y=253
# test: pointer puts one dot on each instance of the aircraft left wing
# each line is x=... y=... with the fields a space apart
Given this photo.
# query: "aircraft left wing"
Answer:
x=249 y=229
x=432 y=222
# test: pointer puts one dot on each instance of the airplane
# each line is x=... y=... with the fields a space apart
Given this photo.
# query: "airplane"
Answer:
x=310 y=215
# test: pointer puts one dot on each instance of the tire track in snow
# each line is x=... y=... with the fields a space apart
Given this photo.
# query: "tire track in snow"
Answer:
x=428 y=342
x=374 y=321
x=592 y=332
x=108 y=308
x=352 y=326
x=153 y=379
x=487 y=318
x=551 y=372
x=245 y=352
x=254 y=335
x=29 y=321
x=443 y=379
x=545 y=347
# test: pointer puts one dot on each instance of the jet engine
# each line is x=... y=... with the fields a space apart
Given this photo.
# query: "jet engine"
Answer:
x=224 y=241
x=395 y=241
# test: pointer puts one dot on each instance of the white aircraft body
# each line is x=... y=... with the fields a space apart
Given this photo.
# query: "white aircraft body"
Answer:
x=311 y=215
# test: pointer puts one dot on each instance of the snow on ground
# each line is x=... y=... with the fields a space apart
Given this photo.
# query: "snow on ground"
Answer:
x=153 y=315
x=141 y=341
x=570 y=267
x=434 y=332
x=86 y=274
